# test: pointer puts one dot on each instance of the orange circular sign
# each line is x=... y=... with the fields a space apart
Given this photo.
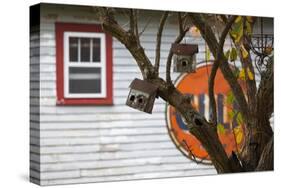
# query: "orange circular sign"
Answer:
x=230 y=123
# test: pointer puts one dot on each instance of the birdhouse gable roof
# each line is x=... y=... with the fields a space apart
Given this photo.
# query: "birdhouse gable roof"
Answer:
x=184 y=49
x=144 y=86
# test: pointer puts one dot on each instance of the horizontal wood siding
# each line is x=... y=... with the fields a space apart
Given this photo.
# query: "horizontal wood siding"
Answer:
x=79 y=144
x=100 y=143
x=35 y=105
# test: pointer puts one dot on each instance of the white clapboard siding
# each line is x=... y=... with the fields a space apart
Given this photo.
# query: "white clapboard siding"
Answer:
x=130 y=147
x=81 y=144
x=34 y=62
x=146 y=175
x=103 y=143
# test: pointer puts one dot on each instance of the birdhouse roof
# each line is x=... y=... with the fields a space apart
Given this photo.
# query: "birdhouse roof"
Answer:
x=184 y=49
x=143 y=85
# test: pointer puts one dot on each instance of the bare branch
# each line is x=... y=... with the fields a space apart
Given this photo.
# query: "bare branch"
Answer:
x=111 y=26
x=265 y=92
x=180 y=23
x=247 y=64
x=182 y=32
x=206 y=31
x=158 y=40
x=132 y=21
x=215 y=68
x=145 y=26
x=135 y=14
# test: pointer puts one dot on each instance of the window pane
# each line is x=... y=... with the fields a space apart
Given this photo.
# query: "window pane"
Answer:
x=73 y=49
x=84 y=80
x=85 y=49
x=96 y=50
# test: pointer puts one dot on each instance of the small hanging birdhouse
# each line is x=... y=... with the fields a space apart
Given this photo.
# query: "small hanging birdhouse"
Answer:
x=184 y=57
x=142 y=95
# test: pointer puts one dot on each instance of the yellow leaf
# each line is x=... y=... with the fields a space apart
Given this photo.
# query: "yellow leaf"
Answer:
x=249 y=28
x=238 y=19
x=245 y=53
x=250 y=19
x=238 y=135
x=250 y=74
x=242 y=74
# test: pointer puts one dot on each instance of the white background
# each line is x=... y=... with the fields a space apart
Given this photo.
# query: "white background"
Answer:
x=14 y=91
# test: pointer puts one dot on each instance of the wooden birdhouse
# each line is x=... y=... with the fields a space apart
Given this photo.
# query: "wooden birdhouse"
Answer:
x=142 y=95
x=184 y=57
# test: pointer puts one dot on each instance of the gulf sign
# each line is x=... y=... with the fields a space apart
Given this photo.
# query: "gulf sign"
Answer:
x=230 y=128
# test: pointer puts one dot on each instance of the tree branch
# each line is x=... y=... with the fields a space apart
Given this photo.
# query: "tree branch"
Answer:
x=158 y=40
x=111 y=26
x=197 y=124
x=267 y=157
x=132 y=21
x=181 y=35
x=220 y=55
x=247 y=64
x=213 y=44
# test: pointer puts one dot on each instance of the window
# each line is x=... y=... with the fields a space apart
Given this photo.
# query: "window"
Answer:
x=84 y=64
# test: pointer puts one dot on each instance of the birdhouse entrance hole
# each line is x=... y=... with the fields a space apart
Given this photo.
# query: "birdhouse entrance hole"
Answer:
x=132 y=98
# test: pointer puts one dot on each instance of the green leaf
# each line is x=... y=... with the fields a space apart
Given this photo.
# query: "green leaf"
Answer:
x=230 y=98
x=208 y=54
x=220 y=128
x=226 y=54
x=236 y=72
x=233 y=54
x=231 y=114
x=239 y=118
x=237 y=31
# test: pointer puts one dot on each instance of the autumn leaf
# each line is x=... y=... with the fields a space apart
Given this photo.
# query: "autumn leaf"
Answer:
x=238 y=134
x=250 y=74
x=242 y=74
x=244 y=52
x=238 y=19
x=239 y=118
x=230 y=98
x=233 y=54
x=220 y=128
x=226 y=54
x=237 y=31
x=250 y=19
x=268 y=50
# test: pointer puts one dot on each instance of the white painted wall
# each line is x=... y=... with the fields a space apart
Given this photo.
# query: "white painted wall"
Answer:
x=79 y=144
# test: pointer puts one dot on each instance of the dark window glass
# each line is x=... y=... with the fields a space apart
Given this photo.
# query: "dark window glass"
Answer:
x=85 y=49
x=84 y=80
x=73 y=49
x=96 y=50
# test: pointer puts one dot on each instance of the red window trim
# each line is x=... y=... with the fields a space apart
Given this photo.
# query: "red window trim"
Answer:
x=61 y=100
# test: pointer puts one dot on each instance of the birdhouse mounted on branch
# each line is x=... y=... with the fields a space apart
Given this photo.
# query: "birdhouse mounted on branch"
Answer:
x=184 y=57
x=142 y=95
